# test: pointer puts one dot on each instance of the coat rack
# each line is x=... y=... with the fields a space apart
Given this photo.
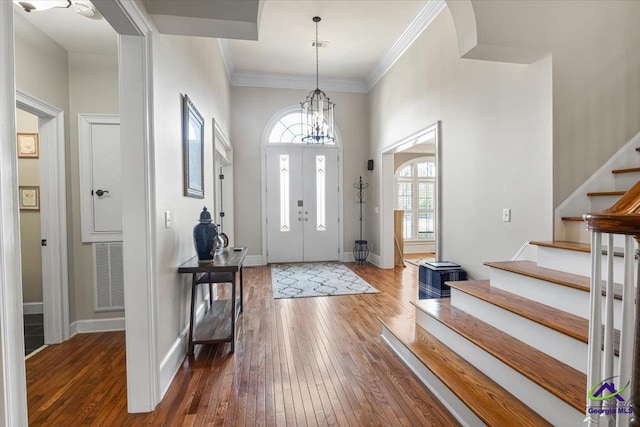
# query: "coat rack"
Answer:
x=361 y=250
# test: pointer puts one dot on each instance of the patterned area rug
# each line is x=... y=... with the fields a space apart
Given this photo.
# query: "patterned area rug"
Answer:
x=316 y=280
x=418 y=262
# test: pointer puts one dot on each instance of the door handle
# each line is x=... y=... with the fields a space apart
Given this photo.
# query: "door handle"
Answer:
x=101 y=193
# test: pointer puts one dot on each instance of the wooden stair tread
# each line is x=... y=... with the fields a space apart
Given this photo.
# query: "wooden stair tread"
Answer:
x=531 y=269
x=558 y=320
x=483 y=396
x=628 y=170
x=605 y=193
x=564 y=382
x=572 y=246
x=572 y=218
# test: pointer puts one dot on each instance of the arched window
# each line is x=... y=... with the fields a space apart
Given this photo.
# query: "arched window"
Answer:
x=415 y=185
x=289 y=129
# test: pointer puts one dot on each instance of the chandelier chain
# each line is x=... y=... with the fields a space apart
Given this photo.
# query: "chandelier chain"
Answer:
x=317 y=67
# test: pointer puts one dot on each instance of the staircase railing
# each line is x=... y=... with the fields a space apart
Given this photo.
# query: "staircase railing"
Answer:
x=613 y=397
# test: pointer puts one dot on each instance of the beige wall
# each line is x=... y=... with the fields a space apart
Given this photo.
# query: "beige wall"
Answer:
x=191 y=66
x=30 y=236
x=93 y=88
x=34 y=53
x=495 y=142
x=400 y=158
x=595 y=47
x=252 y=109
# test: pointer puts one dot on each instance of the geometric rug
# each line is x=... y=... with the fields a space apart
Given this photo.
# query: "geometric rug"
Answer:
x=419 y=261
x=316 y=280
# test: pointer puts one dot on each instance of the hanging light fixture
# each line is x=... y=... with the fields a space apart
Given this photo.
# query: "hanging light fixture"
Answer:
x=317 y=110
x=39 y=5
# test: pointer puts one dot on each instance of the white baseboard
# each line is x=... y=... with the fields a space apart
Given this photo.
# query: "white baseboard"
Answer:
x=254 y=260
x=172 y=361
x=374 y=259
x=96 y=325
x=32 y=308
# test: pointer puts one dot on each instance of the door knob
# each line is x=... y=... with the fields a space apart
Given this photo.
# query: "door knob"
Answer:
x=101 y=193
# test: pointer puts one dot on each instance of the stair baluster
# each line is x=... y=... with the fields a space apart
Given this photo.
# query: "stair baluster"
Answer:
x=623 y=405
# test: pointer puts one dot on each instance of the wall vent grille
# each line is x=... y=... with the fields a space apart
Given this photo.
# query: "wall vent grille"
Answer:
x=109 y=276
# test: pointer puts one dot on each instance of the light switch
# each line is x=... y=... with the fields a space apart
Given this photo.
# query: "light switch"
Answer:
x=167 y=219
x=506 y=215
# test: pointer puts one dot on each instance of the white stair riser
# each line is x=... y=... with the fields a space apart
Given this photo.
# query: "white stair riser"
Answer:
x=563 y=298
x=577 y=262
x=540 y=400
x=576 y=232
x=562 y=347
x=450 y=401
x=624 y=181
x=600 y=203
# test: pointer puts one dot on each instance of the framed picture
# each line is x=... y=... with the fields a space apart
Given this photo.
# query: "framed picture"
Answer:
x=29 y=198
x=28 y=145
x=193 y=149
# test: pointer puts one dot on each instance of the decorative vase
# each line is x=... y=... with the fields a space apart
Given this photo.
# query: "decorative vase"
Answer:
x=206 y=238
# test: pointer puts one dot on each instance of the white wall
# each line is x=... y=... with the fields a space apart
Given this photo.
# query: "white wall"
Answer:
x=252 y=108
x=191 y=66
x=93 y=88
x=496 y=146
x=595 y=47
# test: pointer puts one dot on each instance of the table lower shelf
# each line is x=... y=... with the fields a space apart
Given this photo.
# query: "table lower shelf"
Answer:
x=215 y=326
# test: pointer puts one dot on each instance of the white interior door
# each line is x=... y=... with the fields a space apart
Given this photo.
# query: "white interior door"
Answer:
x=302 y=204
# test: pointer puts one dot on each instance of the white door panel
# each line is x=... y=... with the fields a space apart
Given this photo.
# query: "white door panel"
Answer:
x=105 y=148
x=303 y=183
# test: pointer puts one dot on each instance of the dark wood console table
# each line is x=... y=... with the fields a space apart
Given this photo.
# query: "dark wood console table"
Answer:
x=219 y=322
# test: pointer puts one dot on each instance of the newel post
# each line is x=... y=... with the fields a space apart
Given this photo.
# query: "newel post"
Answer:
x=635 y=367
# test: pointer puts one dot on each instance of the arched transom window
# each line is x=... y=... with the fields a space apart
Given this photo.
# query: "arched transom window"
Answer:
x=289 y=129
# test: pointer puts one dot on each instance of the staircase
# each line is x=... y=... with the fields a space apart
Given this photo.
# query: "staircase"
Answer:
x=516 y=343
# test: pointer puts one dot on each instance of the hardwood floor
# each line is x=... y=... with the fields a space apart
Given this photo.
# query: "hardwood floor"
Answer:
x=298 y=362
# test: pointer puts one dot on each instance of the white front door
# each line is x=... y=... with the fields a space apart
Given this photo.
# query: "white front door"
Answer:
x=302 y=204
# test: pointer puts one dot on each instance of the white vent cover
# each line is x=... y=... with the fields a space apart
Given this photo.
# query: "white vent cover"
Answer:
x=109 y=276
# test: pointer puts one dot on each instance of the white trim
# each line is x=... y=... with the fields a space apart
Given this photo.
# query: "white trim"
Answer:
x=172 y=361
x=374 y=259
x=225 y=51
x=135 y=54
x=291 y=81
x=97 y=325
x=427 y=14
x=53 y=216
x=32 y=308
x=85 y=122
x=387 y=191
x=13 y=392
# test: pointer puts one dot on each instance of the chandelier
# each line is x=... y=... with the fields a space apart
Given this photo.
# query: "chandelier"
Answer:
x=317 y=110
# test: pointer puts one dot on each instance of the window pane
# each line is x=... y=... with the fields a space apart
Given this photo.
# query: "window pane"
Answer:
x=426 y=196
x=289 y=129
x=422 y=169
x=404 y=199
x=285 y=225
x=425 y=226
x=431 y=169
x=320 y=194
x=405 y=172
x=408 y=225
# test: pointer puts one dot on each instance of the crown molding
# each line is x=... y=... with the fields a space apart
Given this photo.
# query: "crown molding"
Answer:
x=223 y=44
x=425 y=16
x=290 y=81
x=429 y=11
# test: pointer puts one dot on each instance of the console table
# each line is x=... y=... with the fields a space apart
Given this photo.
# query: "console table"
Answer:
x=219 y=322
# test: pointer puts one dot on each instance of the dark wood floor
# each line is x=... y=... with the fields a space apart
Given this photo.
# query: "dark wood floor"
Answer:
x=307 y=361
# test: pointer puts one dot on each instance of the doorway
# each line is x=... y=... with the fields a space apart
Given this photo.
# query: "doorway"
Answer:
x=428 y=138
x=302 y=204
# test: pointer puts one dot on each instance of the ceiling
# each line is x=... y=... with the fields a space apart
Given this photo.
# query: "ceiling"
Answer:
x=361 y=35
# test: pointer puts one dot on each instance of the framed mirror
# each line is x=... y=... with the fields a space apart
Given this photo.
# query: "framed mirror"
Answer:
x=193 y=149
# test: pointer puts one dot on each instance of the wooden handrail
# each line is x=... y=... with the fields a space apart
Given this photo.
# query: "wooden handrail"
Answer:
x=621 y=218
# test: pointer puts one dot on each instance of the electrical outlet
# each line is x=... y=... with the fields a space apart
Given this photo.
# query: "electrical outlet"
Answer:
x=167 y=219
x=506 y=215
